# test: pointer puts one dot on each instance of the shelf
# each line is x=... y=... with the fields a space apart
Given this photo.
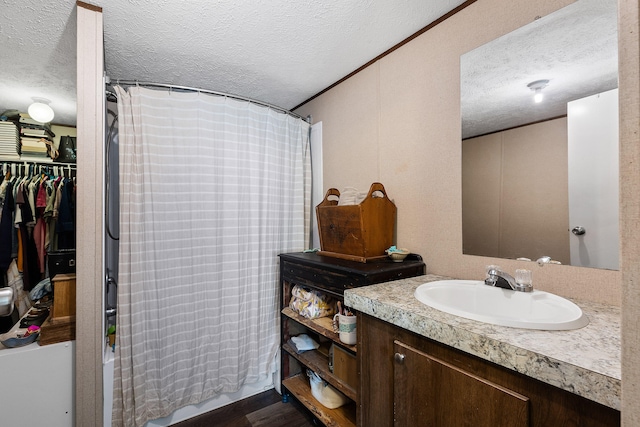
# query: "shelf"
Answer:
x=318 y=363
x=322 y=325
x=344 y=416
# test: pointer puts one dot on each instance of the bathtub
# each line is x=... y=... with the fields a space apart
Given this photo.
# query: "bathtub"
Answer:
x=183 y=413
x=107 y=384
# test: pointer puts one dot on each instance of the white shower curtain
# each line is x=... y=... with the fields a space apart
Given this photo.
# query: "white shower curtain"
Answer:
x=212 y=189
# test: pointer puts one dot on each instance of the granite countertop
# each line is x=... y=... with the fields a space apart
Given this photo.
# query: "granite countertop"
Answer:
x=584 y=361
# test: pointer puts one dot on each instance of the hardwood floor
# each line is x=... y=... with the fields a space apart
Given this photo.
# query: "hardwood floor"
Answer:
x=262 y=410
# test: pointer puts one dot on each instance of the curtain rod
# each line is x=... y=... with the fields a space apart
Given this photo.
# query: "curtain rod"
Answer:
x=210 y=92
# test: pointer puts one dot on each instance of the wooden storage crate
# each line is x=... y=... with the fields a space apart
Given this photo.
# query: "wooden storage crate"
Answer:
x=61 y=325
x=359 y=232
x=64 y=295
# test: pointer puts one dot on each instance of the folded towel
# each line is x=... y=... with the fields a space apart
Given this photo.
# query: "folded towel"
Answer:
x=304 y=342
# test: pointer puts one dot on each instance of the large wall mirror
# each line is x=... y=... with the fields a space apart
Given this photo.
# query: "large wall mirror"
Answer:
x=540 y=179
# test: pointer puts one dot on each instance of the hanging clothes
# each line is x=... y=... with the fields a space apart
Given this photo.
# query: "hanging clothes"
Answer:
x=40 y=230
x=66 y=217
x=14 y=280
x=30 y=269
x=37 y=211
x=6 y=224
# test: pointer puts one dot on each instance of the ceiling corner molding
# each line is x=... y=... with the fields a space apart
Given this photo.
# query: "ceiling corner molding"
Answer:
x=89 y=6
x=390 y=50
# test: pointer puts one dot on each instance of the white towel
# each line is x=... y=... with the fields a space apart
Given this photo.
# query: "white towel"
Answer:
x=304 y=342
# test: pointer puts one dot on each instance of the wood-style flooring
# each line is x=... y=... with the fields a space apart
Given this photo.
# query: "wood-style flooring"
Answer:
x=262 y=410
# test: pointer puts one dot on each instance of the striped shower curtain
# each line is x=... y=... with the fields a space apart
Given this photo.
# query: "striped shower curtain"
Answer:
x=212 y=189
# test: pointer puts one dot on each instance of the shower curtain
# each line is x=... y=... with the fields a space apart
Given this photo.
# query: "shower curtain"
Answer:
x=212 y=189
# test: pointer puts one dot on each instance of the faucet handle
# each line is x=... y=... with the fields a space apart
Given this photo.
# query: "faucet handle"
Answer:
x=523 y=280
x=523 y=277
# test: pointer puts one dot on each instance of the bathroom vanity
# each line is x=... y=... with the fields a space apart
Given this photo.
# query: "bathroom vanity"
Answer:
x=421 y=366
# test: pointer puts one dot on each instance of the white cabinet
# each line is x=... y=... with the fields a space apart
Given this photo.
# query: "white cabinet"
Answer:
x=38 y=385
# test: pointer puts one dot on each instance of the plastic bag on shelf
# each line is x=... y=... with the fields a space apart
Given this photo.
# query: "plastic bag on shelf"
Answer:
x=324 y=393
x=311 y=304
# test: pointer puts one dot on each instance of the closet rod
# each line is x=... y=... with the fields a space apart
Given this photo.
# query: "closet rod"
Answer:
x=16 y=166
x=39 y=163
x=210 y=92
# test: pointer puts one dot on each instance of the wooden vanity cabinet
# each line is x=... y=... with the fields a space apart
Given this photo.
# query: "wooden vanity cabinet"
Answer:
x=330 y=276
x=409 y=380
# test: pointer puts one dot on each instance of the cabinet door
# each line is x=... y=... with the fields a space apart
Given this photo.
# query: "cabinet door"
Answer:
x=431 y=392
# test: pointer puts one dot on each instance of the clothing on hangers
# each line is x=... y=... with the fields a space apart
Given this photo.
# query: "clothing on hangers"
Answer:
x=37 y=216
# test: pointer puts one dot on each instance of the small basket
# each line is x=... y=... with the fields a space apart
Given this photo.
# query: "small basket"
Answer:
x=398 y=255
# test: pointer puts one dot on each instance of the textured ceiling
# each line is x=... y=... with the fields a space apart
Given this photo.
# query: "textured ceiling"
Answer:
x=575 y=48
x=276 y=51
x=38 y=55
x=282 y=52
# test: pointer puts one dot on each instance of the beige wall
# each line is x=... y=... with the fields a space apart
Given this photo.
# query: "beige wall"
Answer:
x=398 y=122
x=629 y=77
x=89 y=214
x=515 y=193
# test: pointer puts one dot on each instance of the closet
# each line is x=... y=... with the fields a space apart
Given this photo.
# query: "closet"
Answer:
x=37 y=228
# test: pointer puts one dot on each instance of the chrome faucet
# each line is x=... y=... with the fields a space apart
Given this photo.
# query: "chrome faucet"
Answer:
x=501 y=279
x=546 y=260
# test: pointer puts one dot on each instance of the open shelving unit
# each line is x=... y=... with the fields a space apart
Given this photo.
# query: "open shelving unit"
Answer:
x=296 y=381
x=330 y=276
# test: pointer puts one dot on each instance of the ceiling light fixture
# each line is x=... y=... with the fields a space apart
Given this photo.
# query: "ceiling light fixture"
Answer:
x=40 y=110
x=537 y=87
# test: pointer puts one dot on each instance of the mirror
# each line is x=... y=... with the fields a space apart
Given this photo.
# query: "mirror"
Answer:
x=516 y=153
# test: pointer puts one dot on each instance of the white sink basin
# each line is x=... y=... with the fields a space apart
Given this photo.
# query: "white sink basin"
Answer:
x=472 y=299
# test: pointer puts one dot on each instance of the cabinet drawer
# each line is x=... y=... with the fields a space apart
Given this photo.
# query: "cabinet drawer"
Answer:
x=389 y=276
x=332 y=282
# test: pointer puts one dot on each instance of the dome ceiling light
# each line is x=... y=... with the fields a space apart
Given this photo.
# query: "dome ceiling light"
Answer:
x=40 y=110
x=537 y=87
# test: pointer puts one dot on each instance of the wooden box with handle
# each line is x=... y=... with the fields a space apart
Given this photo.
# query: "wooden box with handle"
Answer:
x=359 y=232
